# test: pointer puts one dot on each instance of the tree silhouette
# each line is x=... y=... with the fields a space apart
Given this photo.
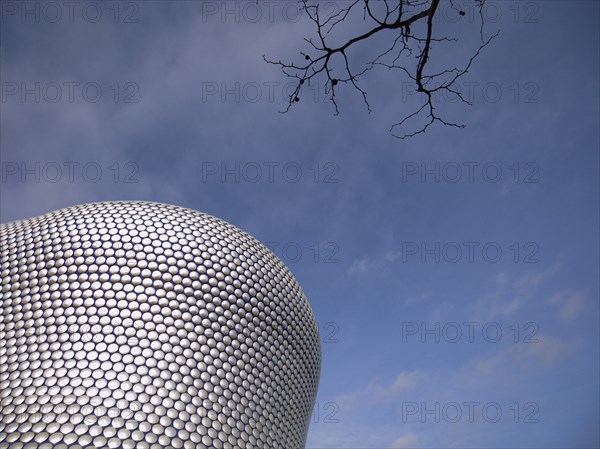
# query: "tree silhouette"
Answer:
x=409 y=49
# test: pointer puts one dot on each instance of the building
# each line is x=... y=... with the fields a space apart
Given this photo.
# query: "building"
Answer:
x=143 y=325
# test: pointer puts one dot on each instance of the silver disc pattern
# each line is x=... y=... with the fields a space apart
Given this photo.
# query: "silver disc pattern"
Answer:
x=143 y=325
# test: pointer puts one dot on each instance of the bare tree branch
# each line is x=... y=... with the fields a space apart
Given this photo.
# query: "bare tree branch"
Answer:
x=402 y=17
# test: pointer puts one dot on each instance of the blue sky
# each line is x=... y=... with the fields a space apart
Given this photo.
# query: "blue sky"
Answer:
x=172 y=102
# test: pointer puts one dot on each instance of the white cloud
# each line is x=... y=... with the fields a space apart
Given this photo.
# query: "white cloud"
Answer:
x=441 y=312
x=568 y=304
x=420 y=298
x=378 y=392
x=513 y=359
x=408 y=440
x=405 y=380
x=510 y=294
x=392 y=256
x=362 y=266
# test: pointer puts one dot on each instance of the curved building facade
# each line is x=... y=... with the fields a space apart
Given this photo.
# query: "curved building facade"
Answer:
x=145 y=325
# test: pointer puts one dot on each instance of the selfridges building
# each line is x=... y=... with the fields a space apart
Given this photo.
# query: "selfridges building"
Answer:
x=145 y=325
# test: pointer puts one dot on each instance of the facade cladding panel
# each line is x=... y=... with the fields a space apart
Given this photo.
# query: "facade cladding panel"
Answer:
x=143 y=325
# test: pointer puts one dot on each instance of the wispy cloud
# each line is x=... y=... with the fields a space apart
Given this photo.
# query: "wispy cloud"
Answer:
x=362 y=266
x=377 y=391
x=510 y=294
x=419 y=298
x=519 y=358
x=406 y=441
x=568 y=305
